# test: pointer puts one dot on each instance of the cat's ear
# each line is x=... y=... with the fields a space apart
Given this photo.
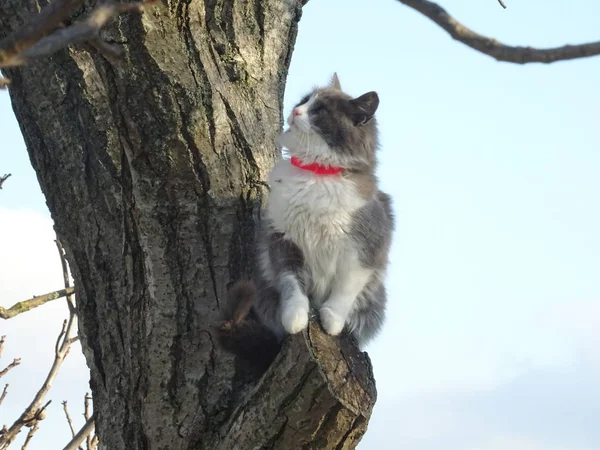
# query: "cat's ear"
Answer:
x=364 y=107
x=335 y=82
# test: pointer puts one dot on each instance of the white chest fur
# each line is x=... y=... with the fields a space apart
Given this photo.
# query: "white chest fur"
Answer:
x=315 y=212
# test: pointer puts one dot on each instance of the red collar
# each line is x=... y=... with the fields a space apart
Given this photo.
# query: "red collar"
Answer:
x=316 y=168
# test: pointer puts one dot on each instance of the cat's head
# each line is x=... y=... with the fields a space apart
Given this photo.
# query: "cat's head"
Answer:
x=330 y=127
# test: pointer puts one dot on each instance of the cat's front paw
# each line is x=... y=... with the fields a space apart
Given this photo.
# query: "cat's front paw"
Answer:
x=331 y=321
x=294 y=318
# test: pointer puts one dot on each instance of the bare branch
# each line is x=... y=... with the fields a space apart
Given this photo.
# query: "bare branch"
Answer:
x=80 y=436
x=495 y=49
x=69 y=421
x=58 y=344
x=12 y=365
x=41 y=24
x=4 y=392
x=65 y=271
x=35 y=411
x=6 y=176
x=32 y=41
x=86 y=413
x=74 y=34
x=34 y=302
x=73 y=339
x=32 y=431
x=86 y=405
x=502 y=4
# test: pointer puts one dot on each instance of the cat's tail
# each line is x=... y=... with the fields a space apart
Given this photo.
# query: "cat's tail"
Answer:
x=241 y=333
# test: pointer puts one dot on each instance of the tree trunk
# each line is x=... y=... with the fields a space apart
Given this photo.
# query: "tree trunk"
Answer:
x=153 y=172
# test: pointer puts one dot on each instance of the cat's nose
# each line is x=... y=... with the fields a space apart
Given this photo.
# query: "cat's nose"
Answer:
x=295 y=112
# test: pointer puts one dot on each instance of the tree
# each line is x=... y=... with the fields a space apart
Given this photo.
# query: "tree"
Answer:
x=153 y=169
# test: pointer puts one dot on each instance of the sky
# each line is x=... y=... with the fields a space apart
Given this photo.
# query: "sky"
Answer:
x=492 y=338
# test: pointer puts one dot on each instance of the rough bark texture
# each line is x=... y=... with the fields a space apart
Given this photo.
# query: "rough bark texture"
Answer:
x=153 y=172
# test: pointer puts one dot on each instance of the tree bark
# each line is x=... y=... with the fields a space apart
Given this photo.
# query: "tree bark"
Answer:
x=153 y=172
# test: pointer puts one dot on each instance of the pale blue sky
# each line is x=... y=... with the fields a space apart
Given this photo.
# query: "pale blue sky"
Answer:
x=493 y=333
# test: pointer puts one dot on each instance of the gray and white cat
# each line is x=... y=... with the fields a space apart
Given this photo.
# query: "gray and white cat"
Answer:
x=328 y=228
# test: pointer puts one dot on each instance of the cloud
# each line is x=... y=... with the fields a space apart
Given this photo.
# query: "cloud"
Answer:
x=518 y=443
x=549 y=408
x=578 y=322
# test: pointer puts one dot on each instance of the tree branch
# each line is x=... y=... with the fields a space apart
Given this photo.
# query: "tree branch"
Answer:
x=12 y=365
x=66 y=277
x=34 y=302
x=40 y=36
x=86 y=406
x=4 y=391
x=68 y=416
x=35 y=412
x=6 y=176
x=32 y=431
x=495 y=49
x=74 y=34
x=81 y=435
x=41 y=24
x=319 y=391
x=502 y=4
x=87 y=415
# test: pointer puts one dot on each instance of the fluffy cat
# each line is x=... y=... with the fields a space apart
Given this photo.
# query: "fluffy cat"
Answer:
x=327 y=228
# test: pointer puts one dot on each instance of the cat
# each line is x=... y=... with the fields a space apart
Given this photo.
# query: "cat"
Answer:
x=327 y=228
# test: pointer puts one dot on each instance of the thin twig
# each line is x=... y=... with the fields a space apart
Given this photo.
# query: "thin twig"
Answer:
x=4 y=392
x=34 y=302
x=59 y=340
x=12 y=365
x=65 y=271
x=86 y=405
x=32 y=431
x=70 y=422
x=87 y=415
x=6 y=176
x=502 y=4
x=81 y=435
x=34 y=411
x=495 y=49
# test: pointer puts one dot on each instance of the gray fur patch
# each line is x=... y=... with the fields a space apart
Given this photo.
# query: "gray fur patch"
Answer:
x=371 y=231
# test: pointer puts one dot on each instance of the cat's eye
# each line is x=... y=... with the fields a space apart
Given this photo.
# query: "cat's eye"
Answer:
x=304 y=100
x=318 y=108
